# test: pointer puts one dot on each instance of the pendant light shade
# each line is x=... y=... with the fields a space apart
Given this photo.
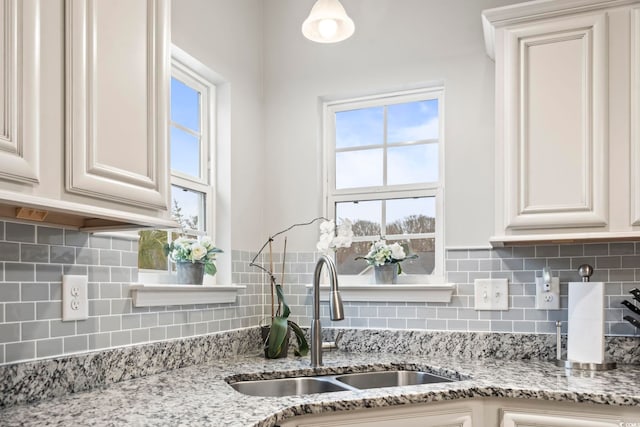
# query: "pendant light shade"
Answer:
x=328 y=23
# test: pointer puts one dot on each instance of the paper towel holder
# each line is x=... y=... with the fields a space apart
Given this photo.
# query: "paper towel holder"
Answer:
x=584 y=271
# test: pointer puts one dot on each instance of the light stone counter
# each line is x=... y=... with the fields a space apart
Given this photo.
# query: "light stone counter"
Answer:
x=198 y=395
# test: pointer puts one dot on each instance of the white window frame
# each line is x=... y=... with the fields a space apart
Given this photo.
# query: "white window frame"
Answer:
x=331 y=195
x=195 y=74
x=205 y=182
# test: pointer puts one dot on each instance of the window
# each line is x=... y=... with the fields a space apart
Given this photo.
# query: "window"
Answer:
x=383 y=171
x=191 y=149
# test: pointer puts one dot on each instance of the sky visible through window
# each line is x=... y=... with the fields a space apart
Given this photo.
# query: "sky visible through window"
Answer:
x=412 y=131
x=411 y=146
x=186 y=140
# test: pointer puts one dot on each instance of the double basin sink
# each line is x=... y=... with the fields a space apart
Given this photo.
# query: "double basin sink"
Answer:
x=330 y=383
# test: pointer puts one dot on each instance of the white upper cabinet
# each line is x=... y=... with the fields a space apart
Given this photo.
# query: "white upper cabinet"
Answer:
x=117 y=100
x=84 y=86
x=635 y=114
x=562 y=120
x=19 y=49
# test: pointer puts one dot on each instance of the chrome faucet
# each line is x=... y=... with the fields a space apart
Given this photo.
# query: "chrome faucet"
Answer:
x=336 y=310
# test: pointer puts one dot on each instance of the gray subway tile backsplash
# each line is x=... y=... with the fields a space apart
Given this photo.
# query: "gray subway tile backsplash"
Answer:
x=109 y=257
x=20 y=351
x=76 y=238
x=48 y=272
x=9 y=292
x=89 y=326
x=35 y=330
x=142 y=335
x=35 y=292
x=49 y=347
x=17 y=232
x=9 y=332
x=547 y=251
x=16 y=272
x=48 y=310
x=100 y=242
x=87 y=256
x=120 y=338
x=19 y=311
x=622 y=248
x=110 y=290
x=111 y=265
x=61 y=329
x=110 y=323
x=34 y=253
x=50 y=236
x=99 y=341
x=62 y=255
x=76 y=344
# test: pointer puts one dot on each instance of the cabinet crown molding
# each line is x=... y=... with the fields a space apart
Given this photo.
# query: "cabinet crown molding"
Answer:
x=536 y=10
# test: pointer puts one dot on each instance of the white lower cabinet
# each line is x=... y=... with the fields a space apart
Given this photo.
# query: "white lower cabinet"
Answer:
x=528 y=413
x=478 y=413
x=449 y=414
x=528 y=418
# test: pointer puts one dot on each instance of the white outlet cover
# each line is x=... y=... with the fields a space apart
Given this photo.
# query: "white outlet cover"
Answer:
x=491 y=294
x=549 y=300
x=75 y=300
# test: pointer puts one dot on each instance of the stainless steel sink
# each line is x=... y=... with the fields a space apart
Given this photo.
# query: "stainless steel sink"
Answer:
x=288 y=386
x=330 y=383
x=367 y=380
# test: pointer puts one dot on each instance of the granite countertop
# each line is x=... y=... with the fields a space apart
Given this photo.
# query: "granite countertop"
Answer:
x=198 y=395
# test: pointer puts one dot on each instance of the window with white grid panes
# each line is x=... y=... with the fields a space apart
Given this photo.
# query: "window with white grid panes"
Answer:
x=384 y=172
x=191 y=149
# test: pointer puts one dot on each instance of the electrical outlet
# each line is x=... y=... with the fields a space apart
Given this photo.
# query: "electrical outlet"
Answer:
x=491 y=294
x=75 y=301
x=548 y=295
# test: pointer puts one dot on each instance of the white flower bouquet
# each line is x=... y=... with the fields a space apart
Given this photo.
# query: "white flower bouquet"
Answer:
x=381 y=254
x=333 y=237
x=200 y=250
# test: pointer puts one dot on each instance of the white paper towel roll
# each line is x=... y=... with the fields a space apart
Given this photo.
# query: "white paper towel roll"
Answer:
x=585 y=334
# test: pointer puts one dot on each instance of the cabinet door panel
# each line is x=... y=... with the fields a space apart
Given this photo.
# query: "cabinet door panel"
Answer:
x=635 y=116
x=530 y=418
x=117 y=100
x=19 y=159
x=388 y=418
x=555 y=126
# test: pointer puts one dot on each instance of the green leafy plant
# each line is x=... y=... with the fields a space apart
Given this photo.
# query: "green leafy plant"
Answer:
x=330 y=239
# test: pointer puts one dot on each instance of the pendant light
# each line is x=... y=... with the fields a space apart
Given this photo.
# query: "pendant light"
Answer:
x=328 y=23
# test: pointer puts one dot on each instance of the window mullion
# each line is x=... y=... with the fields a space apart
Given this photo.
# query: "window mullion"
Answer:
x=384 y=147
x=383 y=204
x=359 y=148
x=186 y=129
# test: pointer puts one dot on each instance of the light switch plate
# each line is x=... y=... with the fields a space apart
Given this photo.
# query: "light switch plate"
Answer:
x=491 y=294
x=75 y=301
x=548 y=300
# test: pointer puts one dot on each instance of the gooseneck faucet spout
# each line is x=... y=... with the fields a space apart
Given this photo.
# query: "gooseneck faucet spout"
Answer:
x=336 y=309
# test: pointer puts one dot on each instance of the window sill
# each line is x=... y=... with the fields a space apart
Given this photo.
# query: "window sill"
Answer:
x=391 y=293
x=145 y=295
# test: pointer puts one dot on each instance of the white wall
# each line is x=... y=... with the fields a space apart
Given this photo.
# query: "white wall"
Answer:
x=277 y=79
x=397 y=43
x=227 y=37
